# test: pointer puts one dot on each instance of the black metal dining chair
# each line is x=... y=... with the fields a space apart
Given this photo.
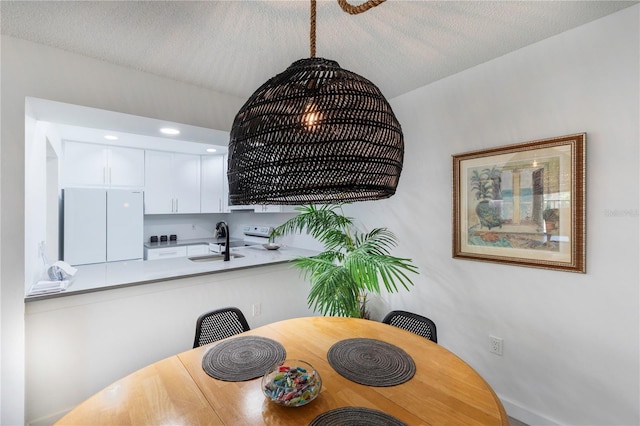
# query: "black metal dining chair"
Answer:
x=219 y=324
x=415 y=323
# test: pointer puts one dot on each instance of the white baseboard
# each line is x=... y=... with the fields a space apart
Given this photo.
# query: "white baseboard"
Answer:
x=48 y=420
x=525 y=415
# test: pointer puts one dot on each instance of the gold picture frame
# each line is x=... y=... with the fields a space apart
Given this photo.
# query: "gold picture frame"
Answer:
x=522 y=204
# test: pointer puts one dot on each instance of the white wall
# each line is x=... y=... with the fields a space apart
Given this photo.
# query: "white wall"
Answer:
x=570 y=340
x=34 y=183
x=78 y=345
x=53 y=194
x=38 y=194
x=29 y=69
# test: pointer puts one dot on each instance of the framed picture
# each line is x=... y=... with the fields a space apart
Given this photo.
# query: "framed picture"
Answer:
x=522 y=204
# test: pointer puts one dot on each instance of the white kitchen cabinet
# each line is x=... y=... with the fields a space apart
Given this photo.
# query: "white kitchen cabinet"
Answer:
x=225 y=187
x=95 y=165
x=214 y=187
x=165 y=252
x=126 y=167
x=264 y=208
x=172 y=183
x=158 y=194
x=272 y=208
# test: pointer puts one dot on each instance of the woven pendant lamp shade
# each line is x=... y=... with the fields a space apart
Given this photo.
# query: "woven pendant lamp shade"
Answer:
x=314 y=134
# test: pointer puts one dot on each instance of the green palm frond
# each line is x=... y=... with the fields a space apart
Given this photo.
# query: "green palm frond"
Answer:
x=352 y=263
x=330 y=256
x=322 y=223
x=380 y=241
x=371 y=262
x=333 y=292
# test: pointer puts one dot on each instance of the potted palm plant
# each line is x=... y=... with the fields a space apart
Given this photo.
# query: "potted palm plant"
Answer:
x=352 y=264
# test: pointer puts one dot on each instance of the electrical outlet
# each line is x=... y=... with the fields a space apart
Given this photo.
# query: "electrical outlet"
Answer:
x=257 y=309
x=495 y=345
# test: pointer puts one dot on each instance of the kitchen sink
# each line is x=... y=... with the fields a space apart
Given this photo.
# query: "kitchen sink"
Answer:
x=214 y=257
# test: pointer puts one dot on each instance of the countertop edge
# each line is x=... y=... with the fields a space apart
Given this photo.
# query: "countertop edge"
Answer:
x=45 y=296
x=99 y=277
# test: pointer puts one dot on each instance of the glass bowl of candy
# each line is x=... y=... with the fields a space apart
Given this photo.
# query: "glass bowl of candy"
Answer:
x=293 y=383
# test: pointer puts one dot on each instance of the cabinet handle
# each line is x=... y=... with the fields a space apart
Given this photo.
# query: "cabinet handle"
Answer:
x=220 y=204
x=109 y=175
x=104 y=175
x=176 y=205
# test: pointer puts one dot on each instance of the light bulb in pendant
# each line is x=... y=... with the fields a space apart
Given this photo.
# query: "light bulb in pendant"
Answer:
x=311 y=116
x=310 y=119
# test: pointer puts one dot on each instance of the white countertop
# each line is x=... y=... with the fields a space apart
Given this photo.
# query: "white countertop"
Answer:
x=110 y=275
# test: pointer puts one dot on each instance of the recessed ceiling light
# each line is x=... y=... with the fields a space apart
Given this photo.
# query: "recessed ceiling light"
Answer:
x=111 y=137
x=211 y=150
x=170 y=131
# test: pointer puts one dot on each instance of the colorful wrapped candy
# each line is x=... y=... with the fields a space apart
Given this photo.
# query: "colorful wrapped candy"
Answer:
x=294 y=383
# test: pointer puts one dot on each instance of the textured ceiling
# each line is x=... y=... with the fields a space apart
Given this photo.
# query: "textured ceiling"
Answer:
x=235 y=46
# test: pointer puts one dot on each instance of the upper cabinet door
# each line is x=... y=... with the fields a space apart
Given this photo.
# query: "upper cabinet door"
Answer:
x=172 y=183
x=126 y=167
x=87 y=164
x=213 y=183
x=158 y=191
x=84 y=164
x=225 y=184
x=186 y=183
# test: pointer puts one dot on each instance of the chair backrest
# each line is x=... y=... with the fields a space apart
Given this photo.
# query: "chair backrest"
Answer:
x=415 y=323
x=219 y=324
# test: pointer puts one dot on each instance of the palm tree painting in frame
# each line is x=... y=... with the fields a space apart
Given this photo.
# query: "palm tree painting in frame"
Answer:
x=522 y=204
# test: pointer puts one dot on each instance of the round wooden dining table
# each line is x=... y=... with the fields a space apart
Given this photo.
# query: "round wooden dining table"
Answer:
x=444 y=390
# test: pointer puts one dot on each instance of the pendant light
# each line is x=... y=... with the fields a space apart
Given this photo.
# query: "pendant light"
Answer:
x=315 y=134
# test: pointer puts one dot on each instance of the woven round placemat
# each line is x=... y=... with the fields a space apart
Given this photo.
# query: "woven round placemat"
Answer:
x=355 y=416
x=242 y=358
x=371 y=362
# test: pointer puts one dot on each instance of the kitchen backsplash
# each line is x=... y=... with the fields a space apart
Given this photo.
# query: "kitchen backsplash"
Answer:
x=188 y=227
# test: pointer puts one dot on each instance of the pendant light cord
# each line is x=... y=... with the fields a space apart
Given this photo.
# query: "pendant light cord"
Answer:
x=312 y=34
x=346 y=7
x=354 y=10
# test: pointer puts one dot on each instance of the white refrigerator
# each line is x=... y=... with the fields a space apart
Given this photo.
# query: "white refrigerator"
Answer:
x=102 y=225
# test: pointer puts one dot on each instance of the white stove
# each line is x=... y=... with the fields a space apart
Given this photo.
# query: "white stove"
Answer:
x=256 y=234
x=253 y=236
